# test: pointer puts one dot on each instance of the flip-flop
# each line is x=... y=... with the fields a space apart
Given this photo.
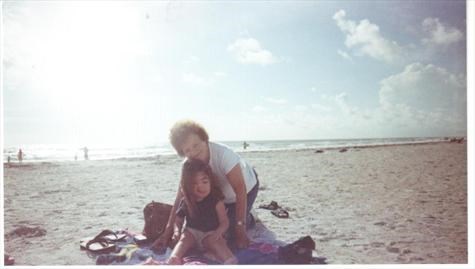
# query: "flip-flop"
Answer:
x=111 y=236
x=97 y=244
x=280 y=213
x=271 y=206
x=140 y=238
x=108 y=235
x=115 y=236
x=8 y=260
x=103 y=242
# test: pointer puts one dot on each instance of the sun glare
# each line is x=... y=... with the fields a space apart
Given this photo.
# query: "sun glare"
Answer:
x=83 y=69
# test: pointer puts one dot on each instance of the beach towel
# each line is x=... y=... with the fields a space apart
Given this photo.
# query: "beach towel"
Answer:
x=262 y=250
x=256 y=253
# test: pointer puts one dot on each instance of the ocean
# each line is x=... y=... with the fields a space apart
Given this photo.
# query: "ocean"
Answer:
x=61 y=153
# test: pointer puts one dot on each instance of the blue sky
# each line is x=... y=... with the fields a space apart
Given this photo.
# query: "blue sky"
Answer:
x=121 y=73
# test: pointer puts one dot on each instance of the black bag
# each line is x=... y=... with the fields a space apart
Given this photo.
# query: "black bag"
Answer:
x=299 y=252
x=156 y=217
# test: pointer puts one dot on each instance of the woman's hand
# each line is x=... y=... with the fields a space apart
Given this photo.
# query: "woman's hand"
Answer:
x=241 y=237
x=161 y=243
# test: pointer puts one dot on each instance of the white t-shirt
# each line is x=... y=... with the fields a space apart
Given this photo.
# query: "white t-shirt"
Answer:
x=221 y=160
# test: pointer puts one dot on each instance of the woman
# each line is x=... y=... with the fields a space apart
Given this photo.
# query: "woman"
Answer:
x=237 y=179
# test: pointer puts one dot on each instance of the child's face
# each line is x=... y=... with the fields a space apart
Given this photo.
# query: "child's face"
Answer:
x=201 y=186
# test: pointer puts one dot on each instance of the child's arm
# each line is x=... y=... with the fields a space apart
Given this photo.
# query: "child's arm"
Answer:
x=223 y=220
x=177 y=228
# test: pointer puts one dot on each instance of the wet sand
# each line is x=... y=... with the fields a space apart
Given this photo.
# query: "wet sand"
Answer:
x=378 y=205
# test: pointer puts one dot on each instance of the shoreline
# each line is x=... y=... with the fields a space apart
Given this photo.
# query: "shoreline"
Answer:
x=172 y=155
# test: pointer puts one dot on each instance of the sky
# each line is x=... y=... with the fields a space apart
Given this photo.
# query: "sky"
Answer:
x=121 y=73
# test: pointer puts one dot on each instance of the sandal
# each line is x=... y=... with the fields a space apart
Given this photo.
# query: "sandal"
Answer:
x=111 y=236
x=102 y=242
x=272 y=206
x=8 y=260
x=140 y=238
x=98 y=244
x=280 y=213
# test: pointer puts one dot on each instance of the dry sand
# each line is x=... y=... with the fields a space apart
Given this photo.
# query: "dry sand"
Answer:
x=379 y=205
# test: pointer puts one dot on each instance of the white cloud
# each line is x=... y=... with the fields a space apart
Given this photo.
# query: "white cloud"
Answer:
x=321 y=107
x=249 y=51
x=424 y=87
x=353 y=113
x=259 y=109
x=193 y=79
x=345 y=55
x=192 y=60
x=220 y=74
x=341 y=100
x=301 y=108
x=426 y=97
x=278 y=101
x=366 y=39
x=440 y=34
x=422 y=100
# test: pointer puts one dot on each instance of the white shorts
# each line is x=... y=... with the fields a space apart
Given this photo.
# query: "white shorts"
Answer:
x=199 y=236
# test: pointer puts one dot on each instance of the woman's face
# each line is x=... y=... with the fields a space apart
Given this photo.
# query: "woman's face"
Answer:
x=195 y=148
x=201 y=186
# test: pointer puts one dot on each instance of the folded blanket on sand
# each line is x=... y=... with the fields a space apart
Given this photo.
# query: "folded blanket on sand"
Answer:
x=263 y=250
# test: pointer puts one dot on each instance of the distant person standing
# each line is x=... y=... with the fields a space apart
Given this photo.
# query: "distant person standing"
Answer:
x=245 y=145
x=86 y=151
x=20 y=155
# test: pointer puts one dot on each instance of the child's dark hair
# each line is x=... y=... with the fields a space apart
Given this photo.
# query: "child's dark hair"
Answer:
x=188 y=172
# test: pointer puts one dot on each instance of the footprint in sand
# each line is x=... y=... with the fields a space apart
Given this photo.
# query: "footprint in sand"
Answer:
x=26 y=231
x=392 y=249
x=377 y=244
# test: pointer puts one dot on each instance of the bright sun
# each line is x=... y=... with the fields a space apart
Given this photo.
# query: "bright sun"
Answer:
x=83 y=70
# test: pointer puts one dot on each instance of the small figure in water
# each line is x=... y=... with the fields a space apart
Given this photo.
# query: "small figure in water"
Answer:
x=245 y=145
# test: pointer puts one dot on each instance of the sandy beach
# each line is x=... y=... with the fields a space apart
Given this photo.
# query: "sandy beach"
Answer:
x=377 y=205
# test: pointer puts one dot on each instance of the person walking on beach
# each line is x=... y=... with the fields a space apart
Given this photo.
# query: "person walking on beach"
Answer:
x=203 y=209
x=86 y=151
x=20 y=155
x=237 y=179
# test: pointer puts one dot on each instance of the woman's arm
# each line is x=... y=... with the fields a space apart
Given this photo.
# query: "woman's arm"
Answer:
x=236 y=180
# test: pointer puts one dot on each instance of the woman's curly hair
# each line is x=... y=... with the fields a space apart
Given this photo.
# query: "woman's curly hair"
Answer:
x=180 y=131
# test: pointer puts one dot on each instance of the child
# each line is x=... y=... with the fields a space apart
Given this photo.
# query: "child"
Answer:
x=203 y=209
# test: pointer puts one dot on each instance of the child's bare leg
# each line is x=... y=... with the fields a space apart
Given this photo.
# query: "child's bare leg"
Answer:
x=220 y=249
x=210 y=255
x=186 y=242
